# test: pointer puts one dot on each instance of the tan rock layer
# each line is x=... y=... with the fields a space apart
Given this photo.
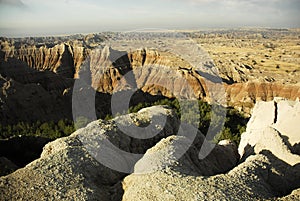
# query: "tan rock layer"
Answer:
x=63 y=58
x=244 y=95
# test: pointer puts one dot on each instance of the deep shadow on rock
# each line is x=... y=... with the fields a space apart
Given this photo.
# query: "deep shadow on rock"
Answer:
x=6 y=166
x=22 y=150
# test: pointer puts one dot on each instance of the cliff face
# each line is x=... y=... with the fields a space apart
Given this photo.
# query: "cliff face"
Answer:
x=30 y=95
x=150 y=68
x=243 y=96
x=63 y=59
x=153 y=71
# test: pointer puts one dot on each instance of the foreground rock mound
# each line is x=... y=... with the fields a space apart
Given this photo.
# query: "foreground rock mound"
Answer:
x=271 y=172
x=167 y=154
x=76 y=167
x=104 y=161
x=260 y=177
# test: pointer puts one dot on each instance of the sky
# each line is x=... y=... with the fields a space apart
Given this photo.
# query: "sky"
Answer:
x=20 y=18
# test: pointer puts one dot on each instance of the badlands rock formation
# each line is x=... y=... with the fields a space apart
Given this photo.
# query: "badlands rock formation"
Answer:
x=77 y=167
x=274 y=127
x=30 y=95
x=243 y=96
x=254 y=65
x=272 y=170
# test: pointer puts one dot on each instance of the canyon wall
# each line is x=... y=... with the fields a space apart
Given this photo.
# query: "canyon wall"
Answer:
x=57 y=61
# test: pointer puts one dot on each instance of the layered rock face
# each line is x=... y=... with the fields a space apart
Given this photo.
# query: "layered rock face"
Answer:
x=84 y=166
x=62 y=55
x=154 y=72
x=150 y=68
x=29 y=95
x=245 y=82
x=243 y=96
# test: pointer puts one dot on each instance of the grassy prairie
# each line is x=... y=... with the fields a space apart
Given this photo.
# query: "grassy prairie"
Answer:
x=272 y=53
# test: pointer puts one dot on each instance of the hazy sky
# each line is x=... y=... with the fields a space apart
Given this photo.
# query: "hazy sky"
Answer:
x=42 y=17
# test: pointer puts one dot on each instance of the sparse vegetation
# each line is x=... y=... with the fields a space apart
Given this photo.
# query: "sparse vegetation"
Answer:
x=51 y=130
x=235 y=122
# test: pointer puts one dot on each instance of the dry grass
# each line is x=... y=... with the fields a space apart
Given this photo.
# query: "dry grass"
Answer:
x=276 y=55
